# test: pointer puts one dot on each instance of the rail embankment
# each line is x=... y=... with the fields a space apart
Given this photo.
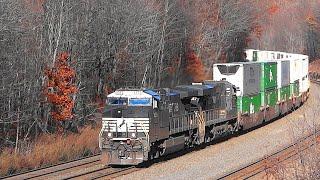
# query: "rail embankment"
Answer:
x=218 y=159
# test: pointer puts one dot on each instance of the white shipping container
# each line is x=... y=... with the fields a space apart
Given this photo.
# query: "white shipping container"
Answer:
x=260 y=55
x=304 y=85
x=295 y=70
x=245 y=76
x=298 y=70
x=265 y=56
x=283 y=73
x=305 y=65
x=249 y=54
x=289 y=56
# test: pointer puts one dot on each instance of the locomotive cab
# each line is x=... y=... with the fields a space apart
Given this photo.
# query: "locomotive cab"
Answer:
x=124 y=136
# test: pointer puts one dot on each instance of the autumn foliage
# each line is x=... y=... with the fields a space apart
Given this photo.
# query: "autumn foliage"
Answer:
x=273 y=9
x=195 y=67
x=60 y=88
x=311 y=20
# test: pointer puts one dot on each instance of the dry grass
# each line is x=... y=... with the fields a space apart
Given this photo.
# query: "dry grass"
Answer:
x=315 y=66
x=51 y=149
x=306 y=164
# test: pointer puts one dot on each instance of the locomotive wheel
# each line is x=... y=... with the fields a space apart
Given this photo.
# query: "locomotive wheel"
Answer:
x=150 y=155
x=214 y=134
x=207 y=138
x=157 y=154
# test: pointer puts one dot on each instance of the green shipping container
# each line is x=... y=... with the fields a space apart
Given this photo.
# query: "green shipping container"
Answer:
x=269 y=97
x=284 y=93
x=294 y=89
x=249 y=104
x=268 y=76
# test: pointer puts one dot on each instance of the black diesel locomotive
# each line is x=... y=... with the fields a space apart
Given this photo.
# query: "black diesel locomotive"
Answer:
x=142 y=124
x=139 y=125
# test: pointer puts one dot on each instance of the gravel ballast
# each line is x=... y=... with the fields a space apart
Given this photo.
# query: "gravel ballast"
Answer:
x=218 y=159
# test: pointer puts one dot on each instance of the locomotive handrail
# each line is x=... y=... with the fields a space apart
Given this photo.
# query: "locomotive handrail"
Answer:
x=190 y=121
x=145 y=132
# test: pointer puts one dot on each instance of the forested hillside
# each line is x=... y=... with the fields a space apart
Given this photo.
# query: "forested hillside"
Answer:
x=60 y=58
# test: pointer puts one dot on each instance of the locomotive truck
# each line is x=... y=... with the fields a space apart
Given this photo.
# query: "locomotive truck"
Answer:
x=142 y=124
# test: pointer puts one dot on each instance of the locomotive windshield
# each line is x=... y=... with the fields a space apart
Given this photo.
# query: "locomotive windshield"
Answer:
x=140 y=102
x=128 y=104
x=117 y=101
x=127 y=107
x=131 y=102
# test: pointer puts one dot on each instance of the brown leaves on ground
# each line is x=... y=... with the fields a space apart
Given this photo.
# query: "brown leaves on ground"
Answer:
x=51 y=149
x=315 y=66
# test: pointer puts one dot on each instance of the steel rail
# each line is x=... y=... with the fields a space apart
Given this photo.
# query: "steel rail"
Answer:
x=103 y=172
x=281 y=155
x=259 y=165
x=58 y=167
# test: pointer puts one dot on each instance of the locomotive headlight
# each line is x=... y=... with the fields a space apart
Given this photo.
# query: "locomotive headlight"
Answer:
x=133 y=135
x=109 y=135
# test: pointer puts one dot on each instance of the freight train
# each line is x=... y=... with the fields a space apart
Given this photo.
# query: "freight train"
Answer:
x=139 y=125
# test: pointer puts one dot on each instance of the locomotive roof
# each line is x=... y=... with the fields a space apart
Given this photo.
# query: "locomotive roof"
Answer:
x=152 y=93
x=194 y=90
x=129 y=94
x=183 y=91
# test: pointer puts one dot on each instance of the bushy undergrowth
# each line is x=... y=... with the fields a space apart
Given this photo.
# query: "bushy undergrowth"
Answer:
x=305 y=165
x=315 y=66
x=51 y=149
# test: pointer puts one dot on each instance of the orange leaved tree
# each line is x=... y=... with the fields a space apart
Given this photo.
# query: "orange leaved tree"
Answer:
x=195 y=67
x=60 y=88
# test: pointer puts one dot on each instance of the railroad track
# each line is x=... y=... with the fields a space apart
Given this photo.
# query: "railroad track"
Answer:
x=85 y=168
x=314 y=77
x=57 y=168
x=103 y=173
x=262 y=165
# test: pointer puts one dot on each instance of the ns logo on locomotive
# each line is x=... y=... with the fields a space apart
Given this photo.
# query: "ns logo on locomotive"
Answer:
x=142 y=124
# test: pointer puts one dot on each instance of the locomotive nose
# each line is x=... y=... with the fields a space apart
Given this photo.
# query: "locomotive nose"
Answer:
x=121 y=153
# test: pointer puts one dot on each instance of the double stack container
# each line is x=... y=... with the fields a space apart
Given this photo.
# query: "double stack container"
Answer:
x=283 y=79
x=305 y=84
x=292 y=76
x=295 y=76
x=247 y=79
x=257 y=55
x=268 y=84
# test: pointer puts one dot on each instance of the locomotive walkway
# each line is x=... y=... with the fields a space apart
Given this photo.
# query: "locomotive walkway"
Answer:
x=229 y=156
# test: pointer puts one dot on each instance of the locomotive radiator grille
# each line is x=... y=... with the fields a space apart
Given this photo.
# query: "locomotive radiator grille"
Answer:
x=140 y=125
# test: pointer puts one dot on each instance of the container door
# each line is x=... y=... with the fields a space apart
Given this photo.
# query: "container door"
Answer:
x=255 y=56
